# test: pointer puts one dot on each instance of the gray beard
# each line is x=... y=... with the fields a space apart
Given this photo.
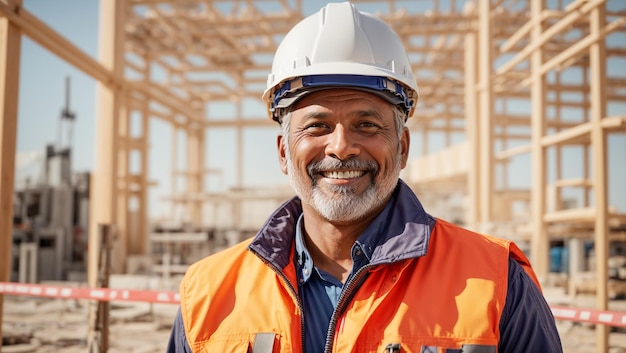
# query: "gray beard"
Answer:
x=343 y=205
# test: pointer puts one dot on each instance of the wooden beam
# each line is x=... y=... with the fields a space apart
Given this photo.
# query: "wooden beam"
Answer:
x=513 y=151
x=10 y=49
x=51 y=40
x=539 y=237
x=525 y=30
x=472 y=130
x=597 y=61
x=485 y=111
x=579 y=182
x=546 y=35
x=580 y=46
x=108 y=108
x=577 y=215
x=613 y=123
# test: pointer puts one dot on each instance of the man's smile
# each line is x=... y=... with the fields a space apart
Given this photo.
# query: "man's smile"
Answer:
x=343 y=174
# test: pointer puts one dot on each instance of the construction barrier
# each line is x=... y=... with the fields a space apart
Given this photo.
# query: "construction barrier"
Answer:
x=610 y=318
x=100 y=294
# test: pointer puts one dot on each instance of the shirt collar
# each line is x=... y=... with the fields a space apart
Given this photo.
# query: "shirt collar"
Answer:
x=364 y=245
x=304 y=262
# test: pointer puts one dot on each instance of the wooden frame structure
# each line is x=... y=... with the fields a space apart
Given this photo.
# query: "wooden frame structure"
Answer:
x=494 y=74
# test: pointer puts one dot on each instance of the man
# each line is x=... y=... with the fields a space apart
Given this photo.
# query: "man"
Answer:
x=354 y=263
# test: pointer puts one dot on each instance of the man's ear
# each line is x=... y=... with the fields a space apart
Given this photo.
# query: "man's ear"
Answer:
x=405 y=143
x=282 y=153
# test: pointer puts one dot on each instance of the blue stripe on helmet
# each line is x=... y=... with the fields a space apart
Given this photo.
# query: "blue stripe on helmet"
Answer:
x=375 y=83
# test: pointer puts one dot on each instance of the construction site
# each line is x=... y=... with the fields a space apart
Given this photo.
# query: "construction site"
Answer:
x=519 y=132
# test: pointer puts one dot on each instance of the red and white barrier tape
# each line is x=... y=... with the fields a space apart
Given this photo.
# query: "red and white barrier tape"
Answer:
x=101 y=294
x=611 y=318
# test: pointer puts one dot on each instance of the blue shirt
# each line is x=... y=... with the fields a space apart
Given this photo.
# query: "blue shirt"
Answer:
x=319 y=290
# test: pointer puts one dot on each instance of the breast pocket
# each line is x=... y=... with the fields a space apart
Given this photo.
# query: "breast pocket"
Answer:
x=468 y=348
x=226 y=344
x=262 y=342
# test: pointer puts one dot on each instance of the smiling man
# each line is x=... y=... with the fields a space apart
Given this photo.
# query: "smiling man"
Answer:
x=353 y=263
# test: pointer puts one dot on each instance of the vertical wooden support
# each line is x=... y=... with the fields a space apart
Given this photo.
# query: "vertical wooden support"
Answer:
x=239 y=139
x=471 y=131
x=10 y=49
x=195 y=172
x=597 y=61
x=485 y=113
x=109 y=103
x=98 y=335
x=121 y=189
x=558 y=164
x=586 y=162
x=142 y=194
x=175 y=167
x=539 y=241
x=236 y=204
x=141 y=230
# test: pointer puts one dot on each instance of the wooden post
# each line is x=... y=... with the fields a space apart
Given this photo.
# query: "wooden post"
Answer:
x=471 y=130
x=142 y=194
x=109 y=102
x=10 y=47
x=121 y=188
x=485 y=113
x=539 y=238
x=597 y=61
x=98 y=335
x=195 y=172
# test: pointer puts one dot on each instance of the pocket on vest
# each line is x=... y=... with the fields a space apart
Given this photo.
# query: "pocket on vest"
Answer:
x=262 y=342
x=467 y=348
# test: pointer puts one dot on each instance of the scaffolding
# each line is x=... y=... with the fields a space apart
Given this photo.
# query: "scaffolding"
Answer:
x=502 y=83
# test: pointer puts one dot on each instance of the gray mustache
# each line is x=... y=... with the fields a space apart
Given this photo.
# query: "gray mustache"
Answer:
x=335 y=164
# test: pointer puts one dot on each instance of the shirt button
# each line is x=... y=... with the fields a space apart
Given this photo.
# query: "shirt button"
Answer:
x=358 y=252
x=306 y=271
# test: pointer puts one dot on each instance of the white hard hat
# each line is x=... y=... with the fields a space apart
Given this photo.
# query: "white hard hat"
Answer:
x=340 y=47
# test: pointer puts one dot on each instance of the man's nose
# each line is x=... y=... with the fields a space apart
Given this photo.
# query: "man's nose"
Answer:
x=341 y=144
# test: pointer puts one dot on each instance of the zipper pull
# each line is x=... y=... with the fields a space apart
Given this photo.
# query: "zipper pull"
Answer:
x=392 y=348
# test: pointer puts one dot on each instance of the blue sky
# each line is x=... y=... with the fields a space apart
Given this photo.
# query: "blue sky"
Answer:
x=41 y=98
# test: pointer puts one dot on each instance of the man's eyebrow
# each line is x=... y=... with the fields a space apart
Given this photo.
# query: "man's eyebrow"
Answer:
x=315 y=115
x=367 y=113
x=360 y=113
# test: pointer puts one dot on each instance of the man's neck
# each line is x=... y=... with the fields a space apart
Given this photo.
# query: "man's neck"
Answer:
x=330 y=244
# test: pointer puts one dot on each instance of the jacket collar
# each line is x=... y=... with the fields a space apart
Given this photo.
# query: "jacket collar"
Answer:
x=405 y=233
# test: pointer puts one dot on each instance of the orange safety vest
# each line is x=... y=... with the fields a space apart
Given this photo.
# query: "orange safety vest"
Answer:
x=447 y=300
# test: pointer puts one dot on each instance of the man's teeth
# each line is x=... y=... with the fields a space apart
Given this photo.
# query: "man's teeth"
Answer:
x=348 y=174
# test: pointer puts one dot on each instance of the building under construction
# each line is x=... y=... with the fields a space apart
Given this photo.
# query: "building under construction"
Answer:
x=522 y=106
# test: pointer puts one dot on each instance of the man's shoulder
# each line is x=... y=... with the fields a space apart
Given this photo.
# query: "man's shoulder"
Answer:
x=472 y=243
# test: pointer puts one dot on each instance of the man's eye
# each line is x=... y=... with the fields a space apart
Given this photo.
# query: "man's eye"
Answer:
x=316 y=126
x=369 y=126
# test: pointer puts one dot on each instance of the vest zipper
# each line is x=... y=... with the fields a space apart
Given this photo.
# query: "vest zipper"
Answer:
x=344 y=298
x=293 y=293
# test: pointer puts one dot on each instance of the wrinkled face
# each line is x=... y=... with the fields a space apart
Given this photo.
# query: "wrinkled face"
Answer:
x=343 y=153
